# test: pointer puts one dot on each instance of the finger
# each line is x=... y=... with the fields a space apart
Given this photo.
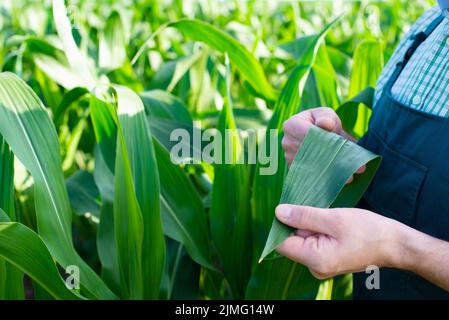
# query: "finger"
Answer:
x=289 y=158
x=361 y=170
x=290 y=144
x=307 y=218
x=304 y=233
x=294 y=249
x=297 y=126
x=326 y=123
x=326 y=119
x=351 y=178
x=290 y=147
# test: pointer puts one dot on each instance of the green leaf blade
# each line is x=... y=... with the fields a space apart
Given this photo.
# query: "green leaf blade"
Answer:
x=267 y=188
x=32 y=137
x=24 y=249
x=318 y=174
x=139 y=144
x=183 y=214
x=230 y=215
x=238 y=54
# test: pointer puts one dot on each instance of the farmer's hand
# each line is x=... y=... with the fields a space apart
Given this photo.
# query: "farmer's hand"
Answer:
x=295 y=129
x=338 y=241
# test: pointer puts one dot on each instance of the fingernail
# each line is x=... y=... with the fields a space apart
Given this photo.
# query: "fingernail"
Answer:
x=283 y=212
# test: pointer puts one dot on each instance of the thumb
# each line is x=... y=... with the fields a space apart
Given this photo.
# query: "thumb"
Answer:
x=329 y=124
x=307 y=218
x=327 y=119
x=326 y=123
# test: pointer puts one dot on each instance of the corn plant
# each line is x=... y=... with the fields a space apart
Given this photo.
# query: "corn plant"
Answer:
x=88 y=100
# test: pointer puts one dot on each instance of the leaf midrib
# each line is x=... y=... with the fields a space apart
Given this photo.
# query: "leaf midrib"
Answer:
x=39 y=165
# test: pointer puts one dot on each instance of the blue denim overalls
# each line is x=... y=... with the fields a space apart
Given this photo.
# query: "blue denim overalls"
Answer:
x=412 y=184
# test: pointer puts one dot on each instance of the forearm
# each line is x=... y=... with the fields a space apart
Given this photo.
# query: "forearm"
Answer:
x=422 y=254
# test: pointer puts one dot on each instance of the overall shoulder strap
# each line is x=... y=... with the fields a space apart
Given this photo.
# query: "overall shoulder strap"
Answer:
x=420 y=37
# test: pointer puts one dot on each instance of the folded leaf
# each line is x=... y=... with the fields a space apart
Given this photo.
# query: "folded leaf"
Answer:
x=267 y=188
x=317 y=177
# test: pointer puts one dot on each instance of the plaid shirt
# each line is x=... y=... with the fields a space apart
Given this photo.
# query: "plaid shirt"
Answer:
x=424 y=83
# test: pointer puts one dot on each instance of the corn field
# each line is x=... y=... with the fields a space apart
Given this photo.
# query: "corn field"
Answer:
x=92 y=205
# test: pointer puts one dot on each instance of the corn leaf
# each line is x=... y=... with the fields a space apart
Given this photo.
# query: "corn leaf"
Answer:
x=112 y=46
x=72 y=142
x=368 y=64
x=32 y=137
x=104 y=121
x=230 y=215
x=50 y=91
x=83 y=194
x=24 y=249
x=52 y=61
x=166 y=113
x=68 y=100
x=200 y=97
x=4 y=217
x=244 y=118
x=182 y=276
x=139 y=146
x=107 y=251
x=321 y=86
x=11 y=279
x=318 y=174
x=128 y=225
x=183 y=214
x=170 y=73
x=181 y=68
x=325 y=290
x=78 y=62
x=163 y=105
x=349 y=110
x=280 y=279
x=298 y=282
x=7 y=179
x=267 y=188
x=243 y=60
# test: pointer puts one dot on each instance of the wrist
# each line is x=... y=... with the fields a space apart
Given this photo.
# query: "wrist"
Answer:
x=403 y=252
